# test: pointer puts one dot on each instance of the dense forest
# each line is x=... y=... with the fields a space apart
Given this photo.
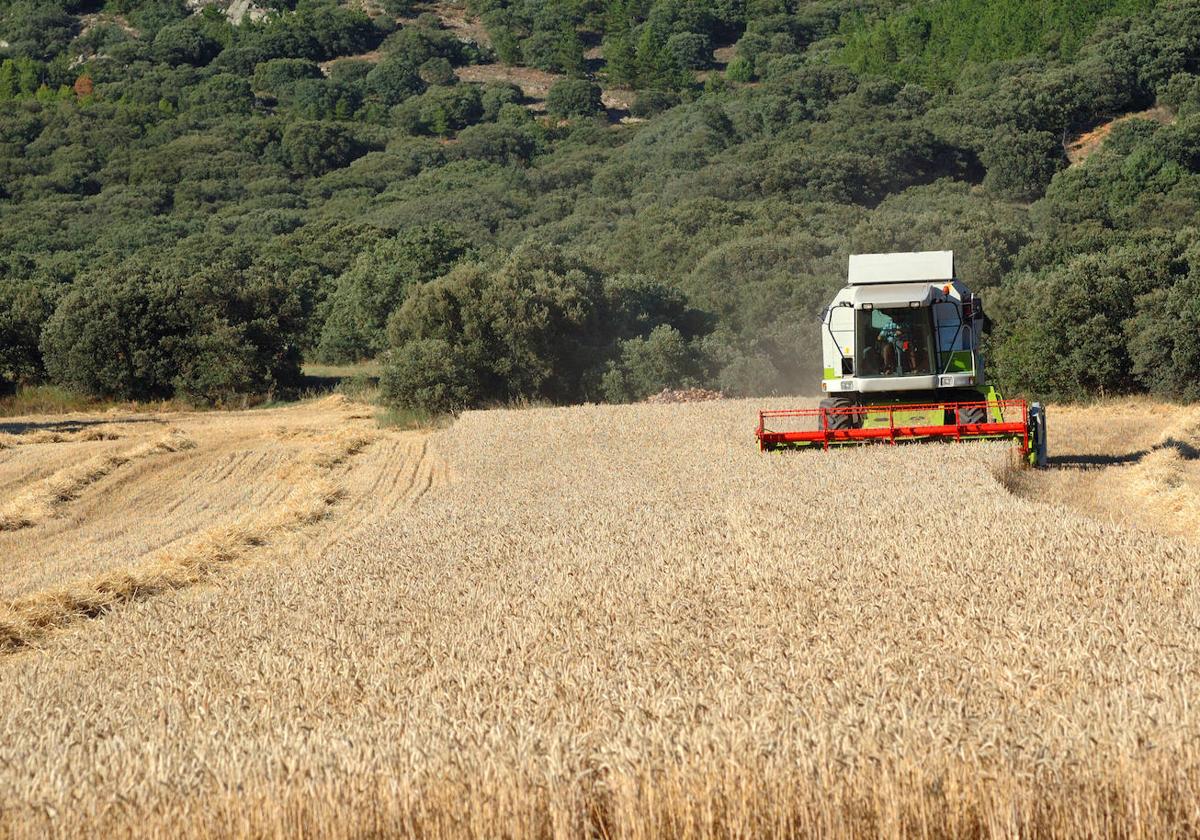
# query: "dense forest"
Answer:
x=197 y=197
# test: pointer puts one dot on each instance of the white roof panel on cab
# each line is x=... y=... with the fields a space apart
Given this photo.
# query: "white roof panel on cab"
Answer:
x=924 y=267
x=893 y=294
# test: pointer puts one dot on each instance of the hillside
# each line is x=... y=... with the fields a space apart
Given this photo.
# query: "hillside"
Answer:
x=515 y=200
x=616 y=620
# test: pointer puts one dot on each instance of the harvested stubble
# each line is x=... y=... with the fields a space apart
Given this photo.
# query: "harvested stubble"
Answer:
x=41 y=500
x=626 y=622
x=129 y=523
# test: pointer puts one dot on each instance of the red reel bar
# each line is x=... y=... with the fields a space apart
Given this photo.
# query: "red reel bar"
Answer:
x=1015 y=424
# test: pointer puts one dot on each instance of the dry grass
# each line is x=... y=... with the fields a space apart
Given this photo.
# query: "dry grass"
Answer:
x=626 y=622
x=169 y=511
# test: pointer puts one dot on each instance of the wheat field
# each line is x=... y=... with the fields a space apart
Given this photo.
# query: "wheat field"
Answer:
x=595 y=622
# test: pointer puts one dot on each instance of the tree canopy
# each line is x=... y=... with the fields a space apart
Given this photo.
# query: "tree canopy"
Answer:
x=193 y=205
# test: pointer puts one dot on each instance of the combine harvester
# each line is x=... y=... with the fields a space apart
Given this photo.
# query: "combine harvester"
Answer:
x=902 y=363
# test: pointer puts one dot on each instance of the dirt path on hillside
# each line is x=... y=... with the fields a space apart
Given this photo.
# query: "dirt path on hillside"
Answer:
x=1086 y=144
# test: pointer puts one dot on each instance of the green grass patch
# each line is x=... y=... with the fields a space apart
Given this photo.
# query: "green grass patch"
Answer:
x=54 y=399
x=359 y=381
x=391 y=417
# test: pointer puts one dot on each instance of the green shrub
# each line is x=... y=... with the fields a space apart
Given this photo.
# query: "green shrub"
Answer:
x=495 y=96
x=278 y=75
x=690 y=50
x=1020 y=165
x=440 y=110
x=376 y=284
x=647 y=365
x=148 y=330
x=740 y=69
x=314 y=148
x=574 y=98
x=186 y=43
x=24 y=309
x=1182 y=93
x=651 y=102
x=1107 y=323
x=437 y=71
x=541 y=326
x=429 y=375
x=393 y=80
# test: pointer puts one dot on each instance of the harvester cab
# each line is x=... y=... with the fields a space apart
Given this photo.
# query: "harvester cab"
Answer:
x=901 y=349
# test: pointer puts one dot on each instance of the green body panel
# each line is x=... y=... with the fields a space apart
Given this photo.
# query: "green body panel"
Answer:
x=830 y=373
x=925 y=417
x=990 y=394
x=957 y=361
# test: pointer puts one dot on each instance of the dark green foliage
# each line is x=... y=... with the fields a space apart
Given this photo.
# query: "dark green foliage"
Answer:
x=322 y=99
x=1164 y=338
x=39 y=29
x=689 y=50
x=504 y=37
x=574 y=98
x=430 y=375
x=24 y=309
x=349 y=71
x=313 y=148
x=149 y=16
x=440 y=110
x=740 y=69
x=221 y=94
x=376 y=284
x=495 y=96
x=651 y=102
x=132 y=163
x=145 y=329
x=1020 y=165
x=277 y=76
x=931 y=41
x=1182 y=93
x=1118 y=321
x=393 y=80
x=542 y=325
x=437 y=71
x=499 y=144
x=186 y=42
x=663 y=359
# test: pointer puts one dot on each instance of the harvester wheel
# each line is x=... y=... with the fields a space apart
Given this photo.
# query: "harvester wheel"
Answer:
x=978 y=414
x=839 y=422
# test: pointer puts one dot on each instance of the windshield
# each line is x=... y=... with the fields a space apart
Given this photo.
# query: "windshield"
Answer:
x=894 y=342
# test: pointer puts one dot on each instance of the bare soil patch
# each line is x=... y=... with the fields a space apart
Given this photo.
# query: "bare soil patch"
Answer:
x=1087 y=143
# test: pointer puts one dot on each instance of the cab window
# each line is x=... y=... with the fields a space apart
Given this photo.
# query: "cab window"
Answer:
x=894 y=341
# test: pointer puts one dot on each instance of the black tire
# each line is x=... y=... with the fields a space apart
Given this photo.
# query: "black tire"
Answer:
x=976 y=414
x=841 y=422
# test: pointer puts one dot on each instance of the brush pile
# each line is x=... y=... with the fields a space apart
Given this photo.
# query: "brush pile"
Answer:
x=671 y=396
